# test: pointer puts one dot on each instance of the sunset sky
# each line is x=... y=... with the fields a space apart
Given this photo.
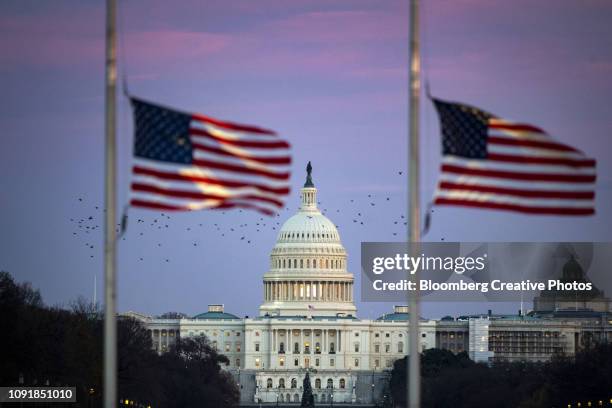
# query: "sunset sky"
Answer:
x=330 y=76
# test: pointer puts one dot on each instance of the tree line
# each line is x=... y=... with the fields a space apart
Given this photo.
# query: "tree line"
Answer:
x=453 y=380
x=59 y=346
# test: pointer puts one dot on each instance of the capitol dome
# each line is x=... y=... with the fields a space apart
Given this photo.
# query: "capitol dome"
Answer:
x=308 y=273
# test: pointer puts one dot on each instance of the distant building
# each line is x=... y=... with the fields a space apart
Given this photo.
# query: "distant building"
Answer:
x=550 y=300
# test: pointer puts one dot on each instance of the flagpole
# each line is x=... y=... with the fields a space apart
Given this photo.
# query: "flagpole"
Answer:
x=110 y=199
x=414 y=369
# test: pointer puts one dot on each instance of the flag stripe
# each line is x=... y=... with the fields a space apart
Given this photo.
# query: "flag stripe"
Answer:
x=486 y=164
x=516 y=207
x=241 y=169
x=255 y=144
x=504 y=199
x=232 y=126
x=519 y=175
x=521 y=127
x=518 y=184
x=151 y=205
x=200 y=195
x=533 y=152
x=195 y=204
x=578 y=195
x=222 y=152
x=510 y=158
x=530 y=143
x=283 y=190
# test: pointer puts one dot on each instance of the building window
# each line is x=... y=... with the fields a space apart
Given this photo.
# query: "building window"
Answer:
x=377 y=335
x=256 y=346
x=317 y=362
x=281 y=347
x=356 y=334
x=331 y=362
x=296 y=348
x=318 y=383
x=387 y=335
x=387 y=348
x=281 y=383
x=356 y=347
x=356 y=362
x=424 y=335
x=388 y=363
x=400 y=347
x=237 y=362
x=238 y=346
x=332 y=348
x=269 y=383
x=342 y=383
x=376 y=363
x=281 y=361
x=293 y=383
x=256 y=334
x=330 y=383
x=228 y=347
x=307 y=348
x=257 y=362
x=317 y=348
x=214 y=345
x=296 y=362
x=377 y=348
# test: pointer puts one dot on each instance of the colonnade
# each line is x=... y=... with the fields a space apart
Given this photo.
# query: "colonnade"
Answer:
x=308 y=290
x=310 y=341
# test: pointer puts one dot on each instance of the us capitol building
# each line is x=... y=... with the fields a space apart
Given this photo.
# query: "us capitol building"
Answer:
x=308 y=322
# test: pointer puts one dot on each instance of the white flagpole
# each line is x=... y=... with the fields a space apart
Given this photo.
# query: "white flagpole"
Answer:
x=110 y=199
x=414 y=368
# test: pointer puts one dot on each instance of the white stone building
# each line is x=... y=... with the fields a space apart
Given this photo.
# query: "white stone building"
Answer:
x=307 y=321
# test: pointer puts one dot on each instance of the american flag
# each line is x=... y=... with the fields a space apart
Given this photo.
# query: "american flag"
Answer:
x=493 y=163
x=185 y=161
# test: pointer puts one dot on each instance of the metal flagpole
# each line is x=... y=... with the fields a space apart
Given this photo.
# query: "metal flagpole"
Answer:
x=110 y=199
x=414 y=369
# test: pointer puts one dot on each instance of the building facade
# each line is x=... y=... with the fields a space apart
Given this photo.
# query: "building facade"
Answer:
x=308 y=323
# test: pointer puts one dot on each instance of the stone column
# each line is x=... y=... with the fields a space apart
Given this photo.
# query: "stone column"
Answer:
x=324 y=336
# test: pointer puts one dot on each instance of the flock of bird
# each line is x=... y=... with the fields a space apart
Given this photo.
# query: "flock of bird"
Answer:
x=358 y=212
